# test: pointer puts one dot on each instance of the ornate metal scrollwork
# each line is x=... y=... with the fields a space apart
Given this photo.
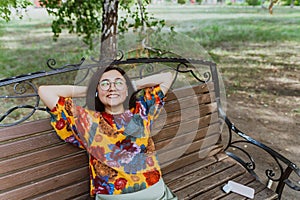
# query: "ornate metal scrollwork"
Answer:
x=23 y=86
x=188 y=70
x=52 y=62
x=147 y=68
x=207 y=76
x=20 y=90
x=250 y=165
x=120 y=55
x=182 y=67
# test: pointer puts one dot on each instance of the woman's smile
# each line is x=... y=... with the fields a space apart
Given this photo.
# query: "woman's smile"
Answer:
x=113 y=96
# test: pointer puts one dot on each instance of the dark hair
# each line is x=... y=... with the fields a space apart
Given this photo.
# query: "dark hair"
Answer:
x=93 y=102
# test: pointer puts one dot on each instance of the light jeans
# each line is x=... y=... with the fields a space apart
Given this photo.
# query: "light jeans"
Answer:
x=158 y=191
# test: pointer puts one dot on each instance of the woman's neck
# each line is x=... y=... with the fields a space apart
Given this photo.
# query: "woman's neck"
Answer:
x=114 y=110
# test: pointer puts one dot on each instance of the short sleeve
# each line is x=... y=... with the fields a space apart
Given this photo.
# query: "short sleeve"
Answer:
x=149 y=102
x=62 y=120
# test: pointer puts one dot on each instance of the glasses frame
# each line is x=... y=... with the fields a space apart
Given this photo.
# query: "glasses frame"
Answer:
x=114 y=83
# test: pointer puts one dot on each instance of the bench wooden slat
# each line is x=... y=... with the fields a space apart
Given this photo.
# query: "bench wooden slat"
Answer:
x=261 y=192
x=28 y=144
x=189 y=102
x=266 y=194
x=25 y=129
x=259 y=188
x=226 y=171
x=71 y=192
x=186 y=115
x=188 y=159
x=31 y=174
x=190 y=91
x=181 y=128
x=36 y=157
x=83 y=197
x=169 y=155
x=181 y=182
x=179 y=138
x=206 y=143
x=217 y=192
x=185 y=170
x=39 y=187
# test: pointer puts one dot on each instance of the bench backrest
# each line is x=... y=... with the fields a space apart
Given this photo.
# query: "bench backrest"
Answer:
x=35 y=163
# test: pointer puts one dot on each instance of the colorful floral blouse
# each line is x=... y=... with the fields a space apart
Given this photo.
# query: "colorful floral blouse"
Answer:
x=121 y=152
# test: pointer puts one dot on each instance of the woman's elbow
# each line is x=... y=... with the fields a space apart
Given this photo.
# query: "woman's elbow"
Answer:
x=47 y=96
x=168 y=79
x=42 y=90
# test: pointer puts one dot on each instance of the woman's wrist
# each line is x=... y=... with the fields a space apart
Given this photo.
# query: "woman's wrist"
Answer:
x=133 y=83
x=163 y=79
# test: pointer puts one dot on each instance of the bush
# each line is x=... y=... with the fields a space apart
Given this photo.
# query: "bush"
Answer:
x=253 y=2
x=199 y=1
x=181 y=1
x=288 y=2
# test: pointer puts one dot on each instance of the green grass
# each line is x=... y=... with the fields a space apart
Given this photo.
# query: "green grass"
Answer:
x=25 y=46
x=213 y=32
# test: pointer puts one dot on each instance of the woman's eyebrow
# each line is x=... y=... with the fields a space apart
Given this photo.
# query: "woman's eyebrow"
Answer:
x=104 y=80
x=107 y=79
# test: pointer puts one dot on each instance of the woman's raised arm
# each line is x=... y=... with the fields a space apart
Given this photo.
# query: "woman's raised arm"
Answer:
x=50 y=94
x=163 y=79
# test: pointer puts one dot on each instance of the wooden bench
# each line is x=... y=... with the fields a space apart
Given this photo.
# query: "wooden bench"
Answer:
x=36 y=164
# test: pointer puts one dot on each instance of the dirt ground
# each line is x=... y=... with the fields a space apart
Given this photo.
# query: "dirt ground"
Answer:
x=263 y=98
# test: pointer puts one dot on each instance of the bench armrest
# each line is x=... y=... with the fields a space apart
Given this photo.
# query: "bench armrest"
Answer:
x=285 y=166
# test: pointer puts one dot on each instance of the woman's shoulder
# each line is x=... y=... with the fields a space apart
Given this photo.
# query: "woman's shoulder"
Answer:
x=72 y=107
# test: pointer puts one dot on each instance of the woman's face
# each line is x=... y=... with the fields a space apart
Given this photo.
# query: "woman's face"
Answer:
x=112 y=90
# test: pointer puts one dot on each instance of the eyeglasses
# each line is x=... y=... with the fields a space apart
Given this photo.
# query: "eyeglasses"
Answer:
x=119 y=84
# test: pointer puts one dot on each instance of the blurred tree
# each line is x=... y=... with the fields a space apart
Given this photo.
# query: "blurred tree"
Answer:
x=253 y=2
x=7 y=5
x=95 y=18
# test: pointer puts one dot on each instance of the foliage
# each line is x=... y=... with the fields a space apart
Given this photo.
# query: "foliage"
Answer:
x=6 y=5
x=84 y=17
x=139 y=16
x=288 y=2
x=181 y=1
x=199 y=1
x=80 y=17
x=253 y=2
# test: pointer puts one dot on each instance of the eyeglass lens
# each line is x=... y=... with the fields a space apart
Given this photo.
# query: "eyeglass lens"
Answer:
x=119 y=84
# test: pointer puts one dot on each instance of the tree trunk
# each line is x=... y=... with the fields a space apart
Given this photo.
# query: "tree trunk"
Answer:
x=262 y=3
x=140 y=3
x=108 y=50
x=292 y=3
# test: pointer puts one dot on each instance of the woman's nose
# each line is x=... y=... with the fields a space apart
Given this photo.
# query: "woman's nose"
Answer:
x=112 y=87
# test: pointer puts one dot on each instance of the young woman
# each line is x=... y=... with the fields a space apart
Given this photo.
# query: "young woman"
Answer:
x=115 y=130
